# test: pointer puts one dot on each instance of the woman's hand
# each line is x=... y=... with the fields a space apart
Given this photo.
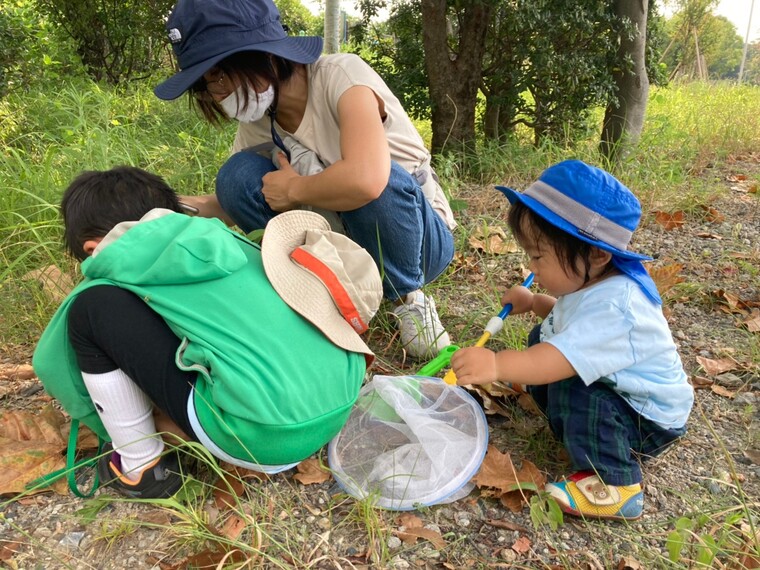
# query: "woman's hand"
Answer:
x=521 y=299
x=277 y=186
x=474 y=365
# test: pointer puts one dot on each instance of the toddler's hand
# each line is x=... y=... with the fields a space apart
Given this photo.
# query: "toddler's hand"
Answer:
x=474 y=365
x=521 y=299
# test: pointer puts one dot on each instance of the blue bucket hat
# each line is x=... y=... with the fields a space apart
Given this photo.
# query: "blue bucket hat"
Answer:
x=592 y=206
x=204 y=32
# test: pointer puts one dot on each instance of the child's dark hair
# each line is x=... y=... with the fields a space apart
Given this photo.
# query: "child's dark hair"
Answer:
x=568 y=249
x=98 y=200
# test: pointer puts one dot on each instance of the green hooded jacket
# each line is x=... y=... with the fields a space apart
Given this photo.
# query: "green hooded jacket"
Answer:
x=271 y=388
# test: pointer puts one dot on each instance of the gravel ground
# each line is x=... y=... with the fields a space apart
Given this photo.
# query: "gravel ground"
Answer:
x=704 y=478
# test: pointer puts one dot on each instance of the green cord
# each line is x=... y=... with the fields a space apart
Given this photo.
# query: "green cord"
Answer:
x=72 y=467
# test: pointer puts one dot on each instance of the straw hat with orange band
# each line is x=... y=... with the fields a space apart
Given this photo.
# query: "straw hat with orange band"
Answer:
x=324 y=276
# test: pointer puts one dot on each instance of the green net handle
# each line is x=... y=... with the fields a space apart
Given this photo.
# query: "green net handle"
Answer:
x=72 y=467
x=440 y=362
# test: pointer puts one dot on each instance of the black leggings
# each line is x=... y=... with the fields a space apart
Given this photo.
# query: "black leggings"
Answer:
x=111 y=328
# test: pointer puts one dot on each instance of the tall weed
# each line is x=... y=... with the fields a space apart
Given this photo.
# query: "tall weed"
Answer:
x=51 y=138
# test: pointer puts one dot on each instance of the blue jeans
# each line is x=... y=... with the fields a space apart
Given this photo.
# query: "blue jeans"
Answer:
x=408 y=240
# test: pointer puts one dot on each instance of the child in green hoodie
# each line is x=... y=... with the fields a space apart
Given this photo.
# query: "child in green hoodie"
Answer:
x=252 y=351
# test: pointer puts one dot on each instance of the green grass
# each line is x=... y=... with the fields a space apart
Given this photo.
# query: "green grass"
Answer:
x=50 y=139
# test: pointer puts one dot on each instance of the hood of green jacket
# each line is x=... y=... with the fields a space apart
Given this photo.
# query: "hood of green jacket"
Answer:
x=172 y=250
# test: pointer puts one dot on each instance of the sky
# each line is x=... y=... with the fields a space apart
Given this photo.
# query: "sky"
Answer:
x=737 y=11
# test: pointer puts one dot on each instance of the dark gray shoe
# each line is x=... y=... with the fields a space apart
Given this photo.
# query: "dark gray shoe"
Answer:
x=160 y=480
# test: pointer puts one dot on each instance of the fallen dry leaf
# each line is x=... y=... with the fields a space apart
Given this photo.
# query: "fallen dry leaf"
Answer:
x=501 y=479
x=86 y=438
x=713 y=215
x=731 y=301
x=499 y=523
x=666 y=276
x=25 y=461
x=8 y=550
x=496 y=471
x=465 y=264
x=701 y=382
x=752 y=322
x=310 y=472
x=33 y=445
x=47 y=426
x=753 y=455
x=527 y=403
x=491 y=406
x=749 y=556
x=494 y=395
x=522 y=545
x=413 y=528
x=227 y=489
x=208 y=559
x=233 y=527
x=512 y=500
x=722 y=391
x=55 y=285
x=409 y=520
x=492 y=239
x=670 y=221
x=715 y=367
x=16 y=372
x=628 y=563
x=155 y=517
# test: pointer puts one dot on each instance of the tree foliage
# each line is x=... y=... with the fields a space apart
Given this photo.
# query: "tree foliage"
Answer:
x=752 y=65
x=701 y=45
x=298 y=20
x=394 y=49
x=31 y=47
x=117 y=39
x=546 y=63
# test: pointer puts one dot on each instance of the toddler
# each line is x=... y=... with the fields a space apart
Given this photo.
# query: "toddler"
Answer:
x=602 y=365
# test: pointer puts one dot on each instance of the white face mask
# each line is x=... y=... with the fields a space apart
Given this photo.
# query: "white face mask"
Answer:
x=257 y=104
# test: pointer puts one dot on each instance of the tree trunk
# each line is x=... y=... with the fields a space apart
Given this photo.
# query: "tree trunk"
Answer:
x=624 y=120
x=499 y=120
x=454 y=78
x=332 y=26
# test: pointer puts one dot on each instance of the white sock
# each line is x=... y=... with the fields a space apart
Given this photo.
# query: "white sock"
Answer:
x=127 y=414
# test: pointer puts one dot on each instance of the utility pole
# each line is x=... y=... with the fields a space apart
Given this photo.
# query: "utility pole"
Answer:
x=746 y=41
x=333 y=31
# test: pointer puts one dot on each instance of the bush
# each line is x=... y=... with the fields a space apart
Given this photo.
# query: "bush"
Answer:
x=115 y=40
x=32 y=49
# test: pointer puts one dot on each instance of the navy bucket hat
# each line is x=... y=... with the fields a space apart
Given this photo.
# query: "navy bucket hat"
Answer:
x=204 y=32
x=592 y=206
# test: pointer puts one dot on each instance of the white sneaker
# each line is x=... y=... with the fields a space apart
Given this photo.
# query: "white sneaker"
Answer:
x=422 y=334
